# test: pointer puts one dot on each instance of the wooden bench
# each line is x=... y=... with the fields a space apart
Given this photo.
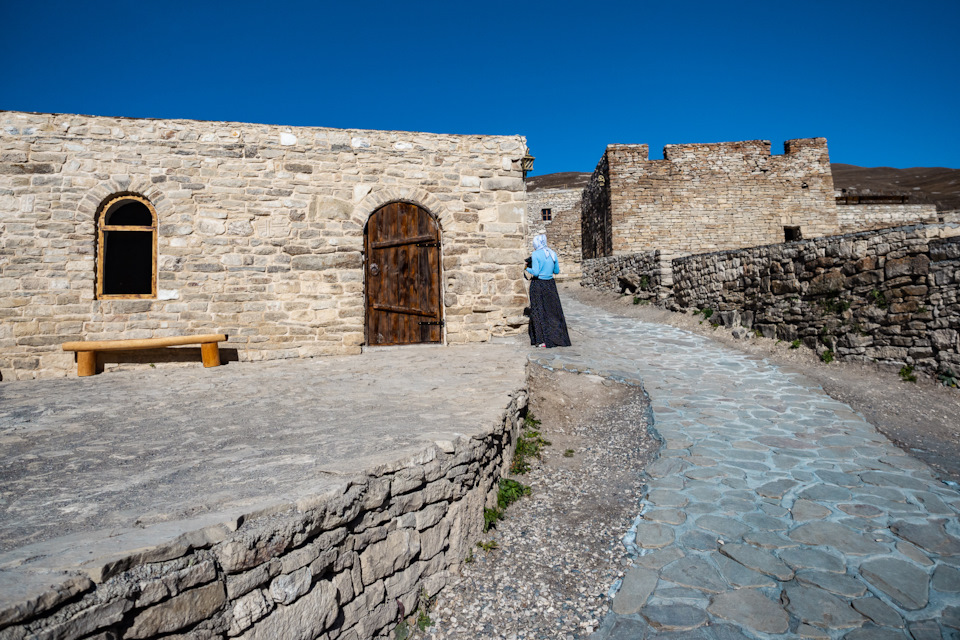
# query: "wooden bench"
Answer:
x=87 y=351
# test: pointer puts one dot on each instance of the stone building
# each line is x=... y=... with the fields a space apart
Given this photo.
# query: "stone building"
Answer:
x=553 y=208
x=707 y=197
x=863 y=213
x=132 y=228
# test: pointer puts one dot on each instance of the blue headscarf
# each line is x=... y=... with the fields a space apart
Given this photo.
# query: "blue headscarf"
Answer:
x=540 y=242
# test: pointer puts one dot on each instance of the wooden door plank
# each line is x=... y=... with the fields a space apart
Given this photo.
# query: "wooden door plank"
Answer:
x=407 y=289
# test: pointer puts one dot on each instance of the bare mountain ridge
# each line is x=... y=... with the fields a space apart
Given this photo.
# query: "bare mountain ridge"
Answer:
x=923 y=185
x=563 y=180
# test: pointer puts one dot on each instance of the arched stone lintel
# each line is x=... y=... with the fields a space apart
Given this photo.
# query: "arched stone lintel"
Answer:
x=420 y=197
x=91 y=202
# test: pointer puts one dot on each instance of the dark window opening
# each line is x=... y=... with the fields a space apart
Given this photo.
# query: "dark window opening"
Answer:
x=546 y=214
x=128 y=213
x=126 y=252
x=791 y=233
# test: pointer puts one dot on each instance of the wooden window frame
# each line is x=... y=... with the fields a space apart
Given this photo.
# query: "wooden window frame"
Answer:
x=546 y=215
x=101 y=254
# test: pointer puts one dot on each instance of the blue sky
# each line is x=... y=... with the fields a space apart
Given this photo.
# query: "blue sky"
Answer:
x=880 y=80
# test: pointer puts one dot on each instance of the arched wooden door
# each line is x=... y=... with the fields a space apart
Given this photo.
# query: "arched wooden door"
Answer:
x=402 y=248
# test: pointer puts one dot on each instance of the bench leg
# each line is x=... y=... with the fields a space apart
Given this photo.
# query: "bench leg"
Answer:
x=86 y=363
x=210 y=352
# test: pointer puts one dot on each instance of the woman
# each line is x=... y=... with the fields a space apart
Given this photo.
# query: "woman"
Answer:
x=548 y=328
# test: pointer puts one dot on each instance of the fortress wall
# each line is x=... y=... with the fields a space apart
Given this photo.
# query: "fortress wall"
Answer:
x=891 y=295
x=563 y=230
x=861 y=217
x=706 y=197
x=260 y=231
x=332 y=566
x=596 y=236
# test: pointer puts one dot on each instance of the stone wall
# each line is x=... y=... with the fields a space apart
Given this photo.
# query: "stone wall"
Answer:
x=595 y=225
x=260 y=231
x=862 y=217
x=563 y=229
x=707 y=197
x=330 y=567
x=891 y=295
x=646 y=269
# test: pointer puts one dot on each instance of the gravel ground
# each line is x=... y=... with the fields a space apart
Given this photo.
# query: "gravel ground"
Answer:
x=559 y=550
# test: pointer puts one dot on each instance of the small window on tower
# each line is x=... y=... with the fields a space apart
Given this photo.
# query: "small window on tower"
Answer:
x=546 y=214
x=791 y=233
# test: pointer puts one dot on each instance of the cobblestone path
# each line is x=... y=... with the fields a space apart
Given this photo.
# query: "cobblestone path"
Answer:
x=773 y=510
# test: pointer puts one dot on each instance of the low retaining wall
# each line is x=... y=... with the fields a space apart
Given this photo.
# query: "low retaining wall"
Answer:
x=891 y=295
x=644 y=268
x=331 y=566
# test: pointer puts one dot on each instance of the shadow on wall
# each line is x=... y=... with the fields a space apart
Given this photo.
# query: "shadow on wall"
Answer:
x=163 y=355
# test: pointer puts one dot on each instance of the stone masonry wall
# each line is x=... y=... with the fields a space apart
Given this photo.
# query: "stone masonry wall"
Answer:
x=330 y=567
x=563 y=230
x=260 y=231
x=596 y=232
x=862 y=217
x=891 y=295
x=707 y=197
x=643 y=268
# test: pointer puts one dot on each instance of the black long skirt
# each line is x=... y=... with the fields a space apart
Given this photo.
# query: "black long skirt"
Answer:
x=547 y=324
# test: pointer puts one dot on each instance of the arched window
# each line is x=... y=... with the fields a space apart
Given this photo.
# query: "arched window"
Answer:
x=126 y=248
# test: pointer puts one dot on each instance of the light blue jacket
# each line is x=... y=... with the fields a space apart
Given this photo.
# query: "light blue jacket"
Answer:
x=542 y=266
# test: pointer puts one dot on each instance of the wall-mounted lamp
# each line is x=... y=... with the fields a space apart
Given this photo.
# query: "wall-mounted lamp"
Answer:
x=526 y=163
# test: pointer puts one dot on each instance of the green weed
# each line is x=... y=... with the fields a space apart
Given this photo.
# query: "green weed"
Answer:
x=530 y=445
x=834 y=305
x=488 y=545
x=423 y=620
x=510 y=491
x=879 y=299
x=907 y=374
x=948 y=378
x=795 y=344
x=568 y=453
x=490 y=518
x=827 y=356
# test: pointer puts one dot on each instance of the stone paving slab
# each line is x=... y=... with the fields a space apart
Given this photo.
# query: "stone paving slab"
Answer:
x=120 y=463
x=774 y=510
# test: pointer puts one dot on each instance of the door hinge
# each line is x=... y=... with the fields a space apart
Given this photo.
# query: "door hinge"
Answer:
x=436 y=322
x=428 y=244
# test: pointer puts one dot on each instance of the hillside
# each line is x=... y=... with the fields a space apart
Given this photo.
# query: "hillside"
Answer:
x=924 y=185
x=564 y=180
